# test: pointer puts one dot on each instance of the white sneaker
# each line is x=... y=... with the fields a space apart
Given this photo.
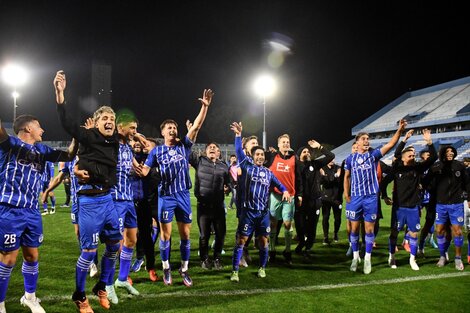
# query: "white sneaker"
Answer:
x=52 y=210
x=243 y=262
x=354 y=264
x=93 y=270
x=2 y=307
x=45 y=212
x=127 y=286
x=442 y=261
x=447 y=256
x=112 y=294
x=391 y=262
x=414 y=265
x=32 y=304
x=367 y=266
x=459 y=264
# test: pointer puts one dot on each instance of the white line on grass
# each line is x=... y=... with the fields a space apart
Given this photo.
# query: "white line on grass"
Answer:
x=197 y=293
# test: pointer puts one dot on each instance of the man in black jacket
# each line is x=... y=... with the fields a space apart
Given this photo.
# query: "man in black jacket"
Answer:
x=407 y=173
x=332 y=199
x=451 y=182
x=308 y=212
x=212 y=182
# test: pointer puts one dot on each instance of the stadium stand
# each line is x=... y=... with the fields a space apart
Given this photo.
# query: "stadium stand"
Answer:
x=443 y=108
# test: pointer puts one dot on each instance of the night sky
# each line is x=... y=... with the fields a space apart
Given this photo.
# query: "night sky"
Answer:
x=348 y=59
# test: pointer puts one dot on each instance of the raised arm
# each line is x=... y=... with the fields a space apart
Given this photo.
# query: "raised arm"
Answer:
x=205 y=101
x=389 y=145
x=69 y=124
x=402 y=143
x=237 y=129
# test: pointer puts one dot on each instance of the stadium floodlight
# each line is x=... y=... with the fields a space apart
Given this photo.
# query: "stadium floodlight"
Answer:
x=15 y=76
x=264 y=86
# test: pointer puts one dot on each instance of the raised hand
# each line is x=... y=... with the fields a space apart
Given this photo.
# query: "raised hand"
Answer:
x=314 y=144
x=408 y=135
x=207 y=97
x=402 y=125
x=237 y=128
x=59 y=81
x=89 y=123
x=189 y=124
x=427 y=136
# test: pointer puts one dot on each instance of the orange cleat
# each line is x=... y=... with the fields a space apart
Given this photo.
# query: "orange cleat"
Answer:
x=153 y=275
x=103 y=298
x=83 y=306
x=406 y=246
x=129 y=279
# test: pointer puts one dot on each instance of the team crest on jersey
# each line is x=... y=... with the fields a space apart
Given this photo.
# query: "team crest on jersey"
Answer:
x=360 y=160
x=418 y=226
x=310 y=168
x=373 y=217
x=262 y=174
x=457 y=174
x=41 y=238
x=125 y=155
x=268 y=229
x=172 y=152
x=460 y=219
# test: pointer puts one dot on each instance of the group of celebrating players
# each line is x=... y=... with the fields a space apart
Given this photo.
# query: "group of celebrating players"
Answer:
x=115 y=185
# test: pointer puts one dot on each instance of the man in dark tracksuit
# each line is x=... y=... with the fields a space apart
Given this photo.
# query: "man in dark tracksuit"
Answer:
x=451 y=182
x=146 y=206
x=331 y=199
x=212 y=182
x=308 y=212
x=406 y=174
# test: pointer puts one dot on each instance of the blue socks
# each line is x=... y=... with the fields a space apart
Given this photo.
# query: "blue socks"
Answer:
x=5 y=274
x=108 y=262
x=30 y=272
x=81 y=270
x=369 y=242
x=237 y=255
x=165 y=249
x=185 y=249
x=125 y=262
x=354 y=239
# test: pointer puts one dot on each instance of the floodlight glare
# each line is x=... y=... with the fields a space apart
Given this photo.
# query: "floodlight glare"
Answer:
x=14 y=75
x=265 y=86
x=15 y=94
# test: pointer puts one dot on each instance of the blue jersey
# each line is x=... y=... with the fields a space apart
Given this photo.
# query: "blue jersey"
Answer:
x=123 y=189
x=255 y=181
x=363 y=169
x=173 y=163
x=68 y=169
x=48 y=172
x=21 y=168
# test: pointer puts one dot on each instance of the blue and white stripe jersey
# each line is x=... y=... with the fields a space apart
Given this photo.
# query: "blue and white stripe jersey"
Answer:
x=173 y=163
x=123 y=189
x=68 y=168
x=255 y=181
x=48 y=172
x=21 y=168
x=363 y=169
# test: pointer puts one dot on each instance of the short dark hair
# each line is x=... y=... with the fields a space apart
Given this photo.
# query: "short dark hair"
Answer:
x=256 y=148
x=166 y=122
x=212 y=143
x=21 y=122
x=246 y=139
x=126 y=119
x=359 y=135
